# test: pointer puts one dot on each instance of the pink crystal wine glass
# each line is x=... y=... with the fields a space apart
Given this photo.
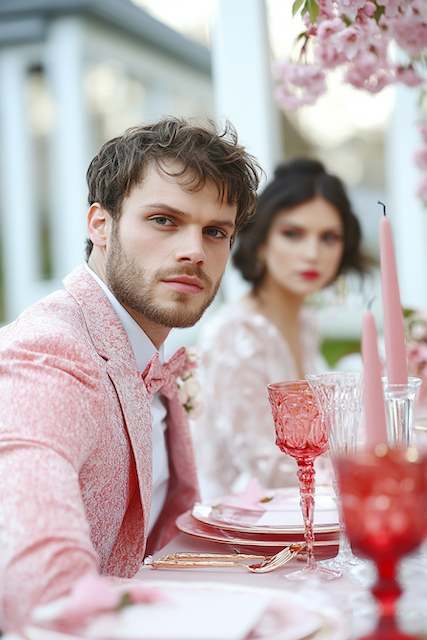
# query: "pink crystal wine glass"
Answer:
x=301 y=432
x=384 y=504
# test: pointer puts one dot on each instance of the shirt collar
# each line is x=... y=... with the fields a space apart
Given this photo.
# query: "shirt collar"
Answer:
x=141 y=344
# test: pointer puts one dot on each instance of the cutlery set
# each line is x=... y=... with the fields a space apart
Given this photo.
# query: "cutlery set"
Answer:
x=253 y=563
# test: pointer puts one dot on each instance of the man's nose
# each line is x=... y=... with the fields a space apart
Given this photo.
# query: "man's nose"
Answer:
x=191 y=247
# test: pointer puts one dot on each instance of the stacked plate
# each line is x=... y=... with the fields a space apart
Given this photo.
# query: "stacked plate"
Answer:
x=268 y=523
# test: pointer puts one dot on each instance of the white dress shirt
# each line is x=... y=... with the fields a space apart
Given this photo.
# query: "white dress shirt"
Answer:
x=143 y=350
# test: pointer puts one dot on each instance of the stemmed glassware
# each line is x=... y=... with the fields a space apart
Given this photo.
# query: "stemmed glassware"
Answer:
x=340 y=400
x=399 y=405
x=301 y=432
x=384 y=504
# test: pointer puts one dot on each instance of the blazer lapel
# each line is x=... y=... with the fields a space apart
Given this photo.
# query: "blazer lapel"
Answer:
x=135 y=405
x=112 y=344
x=183 y=486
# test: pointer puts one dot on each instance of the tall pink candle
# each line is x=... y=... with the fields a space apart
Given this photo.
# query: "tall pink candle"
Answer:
x=373 y=394
x=394 y=334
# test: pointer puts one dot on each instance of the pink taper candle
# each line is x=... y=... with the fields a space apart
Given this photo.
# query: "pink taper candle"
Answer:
x=373 y=394
x=394 y=333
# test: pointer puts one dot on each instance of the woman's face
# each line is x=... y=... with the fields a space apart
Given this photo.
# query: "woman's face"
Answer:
x=304 y=247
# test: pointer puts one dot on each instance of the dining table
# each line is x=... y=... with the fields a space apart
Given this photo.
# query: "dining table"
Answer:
x=346 y=601
x=347 y=595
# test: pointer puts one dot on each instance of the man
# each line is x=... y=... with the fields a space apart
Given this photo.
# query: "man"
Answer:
x=95 y=456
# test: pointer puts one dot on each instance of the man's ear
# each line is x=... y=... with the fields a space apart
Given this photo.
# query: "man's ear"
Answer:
x=98 y=225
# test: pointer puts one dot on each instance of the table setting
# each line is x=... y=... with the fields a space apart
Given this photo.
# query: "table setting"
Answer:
x=309 y=562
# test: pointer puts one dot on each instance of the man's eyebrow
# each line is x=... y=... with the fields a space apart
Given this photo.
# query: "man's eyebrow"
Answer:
x=166 y=207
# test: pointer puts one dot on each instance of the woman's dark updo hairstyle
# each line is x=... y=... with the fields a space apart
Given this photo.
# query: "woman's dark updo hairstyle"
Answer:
x=295 y=183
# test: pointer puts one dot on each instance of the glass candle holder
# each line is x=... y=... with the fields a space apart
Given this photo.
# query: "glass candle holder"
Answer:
x=399 y=404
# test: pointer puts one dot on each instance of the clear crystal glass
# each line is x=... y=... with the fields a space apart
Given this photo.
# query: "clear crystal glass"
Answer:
x=399 y=404
x=340 y=399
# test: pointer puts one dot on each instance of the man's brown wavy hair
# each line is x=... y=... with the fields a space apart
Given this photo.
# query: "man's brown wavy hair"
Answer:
x=204 y=155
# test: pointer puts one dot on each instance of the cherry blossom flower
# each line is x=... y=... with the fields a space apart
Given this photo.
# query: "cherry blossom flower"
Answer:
x=408 y=75
x=363 y=38
x=355 y=35
x=300 y=84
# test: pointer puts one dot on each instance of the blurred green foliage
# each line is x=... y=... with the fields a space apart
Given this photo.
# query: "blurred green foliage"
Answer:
x=333 y=349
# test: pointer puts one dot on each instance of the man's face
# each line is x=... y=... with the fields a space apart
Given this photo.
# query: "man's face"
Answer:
x=166 y=254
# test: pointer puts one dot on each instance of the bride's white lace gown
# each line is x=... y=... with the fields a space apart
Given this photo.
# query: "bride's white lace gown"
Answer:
x=241 y=352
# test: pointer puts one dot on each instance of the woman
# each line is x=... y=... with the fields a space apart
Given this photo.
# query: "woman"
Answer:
x=303 y=236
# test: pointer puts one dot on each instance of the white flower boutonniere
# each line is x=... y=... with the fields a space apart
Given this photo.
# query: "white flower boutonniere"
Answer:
x=188 y=385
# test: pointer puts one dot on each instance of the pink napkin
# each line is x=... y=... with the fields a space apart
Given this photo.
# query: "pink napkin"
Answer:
x=93 y=594
x=250 y=498
x=257 y=498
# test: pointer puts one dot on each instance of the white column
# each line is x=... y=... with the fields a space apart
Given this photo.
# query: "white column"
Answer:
x=408 y=216
x=242 y=78
x=70 y=143
x=243 y=90
x=158 y=102
x=19 y=217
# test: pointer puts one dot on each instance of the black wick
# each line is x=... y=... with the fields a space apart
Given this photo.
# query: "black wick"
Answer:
x=383 y=206
x=371 y=302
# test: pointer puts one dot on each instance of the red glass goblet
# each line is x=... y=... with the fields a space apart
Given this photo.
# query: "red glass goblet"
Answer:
x=301 y=432
x=384 y=503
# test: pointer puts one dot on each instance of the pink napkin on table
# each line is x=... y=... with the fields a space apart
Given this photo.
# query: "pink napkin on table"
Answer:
x=195 y=611
x=92 y=595
x=258 y=498
x=250 y=498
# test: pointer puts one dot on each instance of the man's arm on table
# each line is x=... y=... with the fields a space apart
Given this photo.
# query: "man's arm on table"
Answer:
x=46 y=433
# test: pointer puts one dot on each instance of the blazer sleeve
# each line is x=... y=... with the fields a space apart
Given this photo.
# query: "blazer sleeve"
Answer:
x=49 y=396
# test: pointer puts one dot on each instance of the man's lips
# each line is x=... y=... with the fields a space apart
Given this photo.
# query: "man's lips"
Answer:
x=310 y=274
x=185 y=284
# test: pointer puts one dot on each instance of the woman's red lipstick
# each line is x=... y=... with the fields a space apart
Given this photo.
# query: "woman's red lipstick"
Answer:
x=310 y=275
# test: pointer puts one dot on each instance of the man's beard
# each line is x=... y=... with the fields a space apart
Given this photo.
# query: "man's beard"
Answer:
x=134 y=289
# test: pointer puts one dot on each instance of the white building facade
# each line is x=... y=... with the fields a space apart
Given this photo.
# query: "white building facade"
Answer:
x=74 y=73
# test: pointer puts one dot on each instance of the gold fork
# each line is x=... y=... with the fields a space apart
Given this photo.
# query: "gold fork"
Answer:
x=278 y=560
x=254 y=563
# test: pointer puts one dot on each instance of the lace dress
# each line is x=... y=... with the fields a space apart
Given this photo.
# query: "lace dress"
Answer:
x=241 y=352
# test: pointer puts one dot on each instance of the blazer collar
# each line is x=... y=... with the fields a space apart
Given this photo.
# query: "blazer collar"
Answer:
x=107 y=332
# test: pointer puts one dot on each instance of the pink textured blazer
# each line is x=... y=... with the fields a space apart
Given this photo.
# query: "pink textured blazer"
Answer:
x=75 y=450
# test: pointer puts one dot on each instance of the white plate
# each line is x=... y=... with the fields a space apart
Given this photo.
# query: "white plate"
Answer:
x=273 y=522
x=215 y=611
x=187 y=524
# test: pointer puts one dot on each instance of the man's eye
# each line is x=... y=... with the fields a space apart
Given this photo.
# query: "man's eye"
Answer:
x=213 y=232
x=163 y=221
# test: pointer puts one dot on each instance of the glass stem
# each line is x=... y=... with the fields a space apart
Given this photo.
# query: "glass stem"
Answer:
x=345 y=552
x=306 y=476
x=386 y=591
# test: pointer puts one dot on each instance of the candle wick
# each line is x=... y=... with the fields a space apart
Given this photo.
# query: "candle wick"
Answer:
x=383 y=206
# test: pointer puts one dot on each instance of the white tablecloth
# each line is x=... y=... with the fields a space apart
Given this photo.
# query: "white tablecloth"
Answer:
x=347 y=594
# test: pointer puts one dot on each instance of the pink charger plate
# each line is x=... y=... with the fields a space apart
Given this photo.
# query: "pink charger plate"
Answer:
x=326 y=544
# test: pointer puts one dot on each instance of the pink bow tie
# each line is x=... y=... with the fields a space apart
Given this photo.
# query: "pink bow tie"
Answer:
x=158 y=376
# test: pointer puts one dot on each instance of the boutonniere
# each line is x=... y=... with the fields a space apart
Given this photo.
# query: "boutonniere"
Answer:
x=188 y=385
